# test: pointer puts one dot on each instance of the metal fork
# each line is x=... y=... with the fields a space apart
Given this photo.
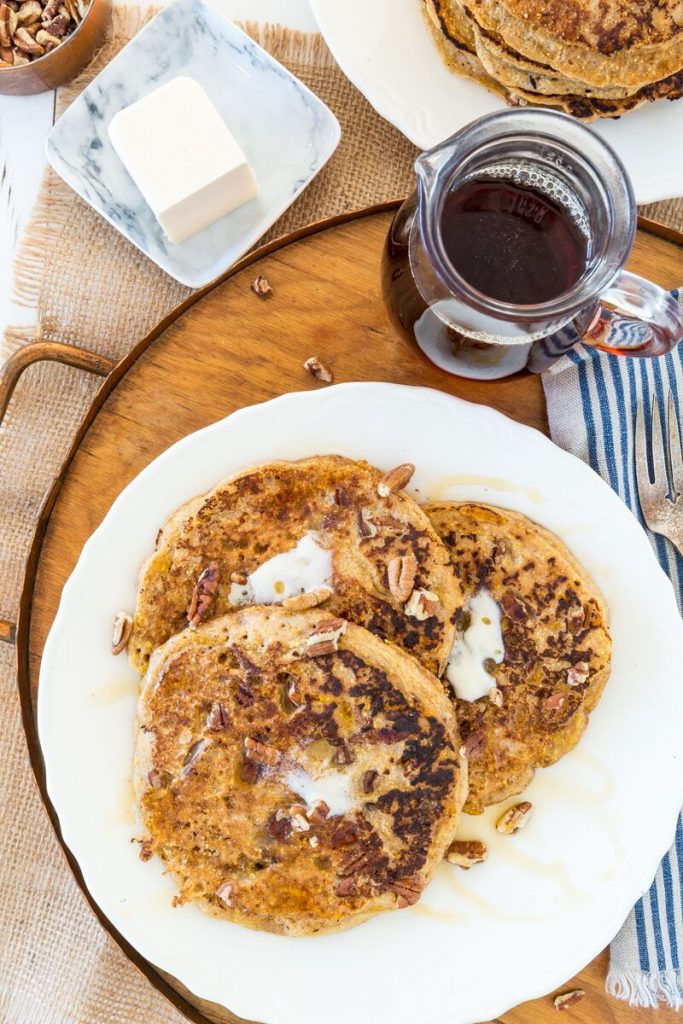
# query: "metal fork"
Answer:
x=661 y=499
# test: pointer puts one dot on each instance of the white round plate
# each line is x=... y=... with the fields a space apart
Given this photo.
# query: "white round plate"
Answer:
x=548 y=899
x=386 y=49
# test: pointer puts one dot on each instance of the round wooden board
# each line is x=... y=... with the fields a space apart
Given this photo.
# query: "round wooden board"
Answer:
x=227 y=348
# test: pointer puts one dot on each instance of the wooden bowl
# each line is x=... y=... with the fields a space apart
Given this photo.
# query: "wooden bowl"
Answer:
x=65 y=61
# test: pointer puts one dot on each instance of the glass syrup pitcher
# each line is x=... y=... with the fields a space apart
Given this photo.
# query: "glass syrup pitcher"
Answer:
x=512 y=250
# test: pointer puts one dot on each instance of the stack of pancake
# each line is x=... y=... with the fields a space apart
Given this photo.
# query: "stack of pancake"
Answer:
x=591 y=59
x=300 y=762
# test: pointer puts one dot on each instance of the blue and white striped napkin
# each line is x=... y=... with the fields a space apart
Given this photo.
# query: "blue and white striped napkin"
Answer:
x=592 y=400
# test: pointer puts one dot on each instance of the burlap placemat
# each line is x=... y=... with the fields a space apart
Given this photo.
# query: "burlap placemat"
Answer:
x=92 y=288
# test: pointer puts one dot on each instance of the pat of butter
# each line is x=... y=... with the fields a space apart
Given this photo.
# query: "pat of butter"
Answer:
x=483 y=639
x=303 y=568
x=183 y=158
x=334 y=787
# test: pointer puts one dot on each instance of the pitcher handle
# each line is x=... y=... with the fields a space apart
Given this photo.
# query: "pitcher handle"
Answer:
x=636 y=318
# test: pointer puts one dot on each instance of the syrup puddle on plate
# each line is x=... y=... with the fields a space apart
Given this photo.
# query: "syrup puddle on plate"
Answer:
x=438 y=491
x=116 y=690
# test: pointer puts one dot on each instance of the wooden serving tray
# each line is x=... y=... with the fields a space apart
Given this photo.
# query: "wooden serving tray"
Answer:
x=223 y=349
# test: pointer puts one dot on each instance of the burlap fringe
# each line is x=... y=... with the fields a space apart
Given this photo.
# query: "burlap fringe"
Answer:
x=53 y=204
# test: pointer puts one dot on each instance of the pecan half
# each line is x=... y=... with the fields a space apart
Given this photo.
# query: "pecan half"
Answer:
x=29 y=13
x=567 y=999
x=23 y=40
x=466 y=852
x=203 y=594
x=474 y=746
x=422 y=605
x=325 y=637
x=261 y=287
x=226 y=893
x=318 y=370
x=578 y=673
x=261 y=753
x=514 y=818
x=123 y=627
x=5 y=26
x=408 y=890
x=218 y=717
x=353 y=863
x=401 y=572
x=395 y=480
x=300 y=602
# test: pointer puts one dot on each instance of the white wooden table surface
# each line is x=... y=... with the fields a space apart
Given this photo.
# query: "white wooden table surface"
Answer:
x=25 y=123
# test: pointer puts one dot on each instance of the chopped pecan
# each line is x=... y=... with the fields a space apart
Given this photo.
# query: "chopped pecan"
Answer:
x=244 y=695
x=29 y=13
x=239 y=578
x=300 y=602
x=299 y=823
x=578 y=673
x=203 y=594
x=466 y=852
x=23 y=40
x=261 y=287
x=514 y=818
x=157 y=779
x=496 y=696
x=44 y=39
x=314 y=841
x=218 y=717
x=261 y=753
x=555 y=701
x=146 y=850
x=344 y=834
x=319 y=812
x=123 y=627
x=318 y=370
x=58 y=26
x=279 y=827
x=401 y=572
x=408 y=890
x=346 y=887
x=567 y=999
x=576 y=618
x=250 y=772
x=368 y=780
x=395 y=480
x=474 y=746
x=5 y=26
x=325 y=637
x=422 y=605
x=514 y=607
x=366 y=525
x=226 y=893
x=51 y=9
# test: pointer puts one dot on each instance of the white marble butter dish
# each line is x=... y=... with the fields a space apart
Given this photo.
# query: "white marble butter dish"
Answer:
x=286 y=133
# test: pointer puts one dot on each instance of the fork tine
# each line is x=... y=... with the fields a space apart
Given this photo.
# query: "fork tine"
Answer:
x=658 y=445
x=675 y=449
x=648 y=493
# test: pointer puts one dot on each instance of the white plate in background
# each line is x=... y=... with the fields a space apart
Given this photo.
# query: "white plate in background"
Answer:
x=386 y=49
x=547 y=900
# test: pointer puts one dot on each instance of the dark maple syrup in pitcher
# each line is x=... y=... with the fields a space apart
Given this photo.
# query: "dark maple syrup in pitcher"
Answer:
x=512 y=242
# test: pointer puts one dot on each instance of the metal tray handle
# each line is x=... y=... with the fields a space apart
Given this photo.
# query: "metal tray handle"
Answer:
x=11 y=371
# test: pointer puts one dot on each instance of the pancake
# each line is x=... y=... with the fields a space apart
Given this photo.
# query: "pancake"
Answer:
x=530 y=701
x=470 y=36
x=387 y=569
x=630 y=43
x=247 y=723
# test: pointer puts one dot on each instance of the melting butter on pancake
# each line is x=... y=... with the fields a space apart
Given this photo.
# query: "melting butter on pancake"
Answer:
x=532 y=651
x=286 y=529
x=295 y=773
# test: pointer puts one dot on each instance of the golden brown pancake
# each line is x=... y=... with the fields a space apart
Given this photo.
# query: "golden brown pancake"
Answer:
x=390 y=571
x=557 y=646
x=247 y=723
